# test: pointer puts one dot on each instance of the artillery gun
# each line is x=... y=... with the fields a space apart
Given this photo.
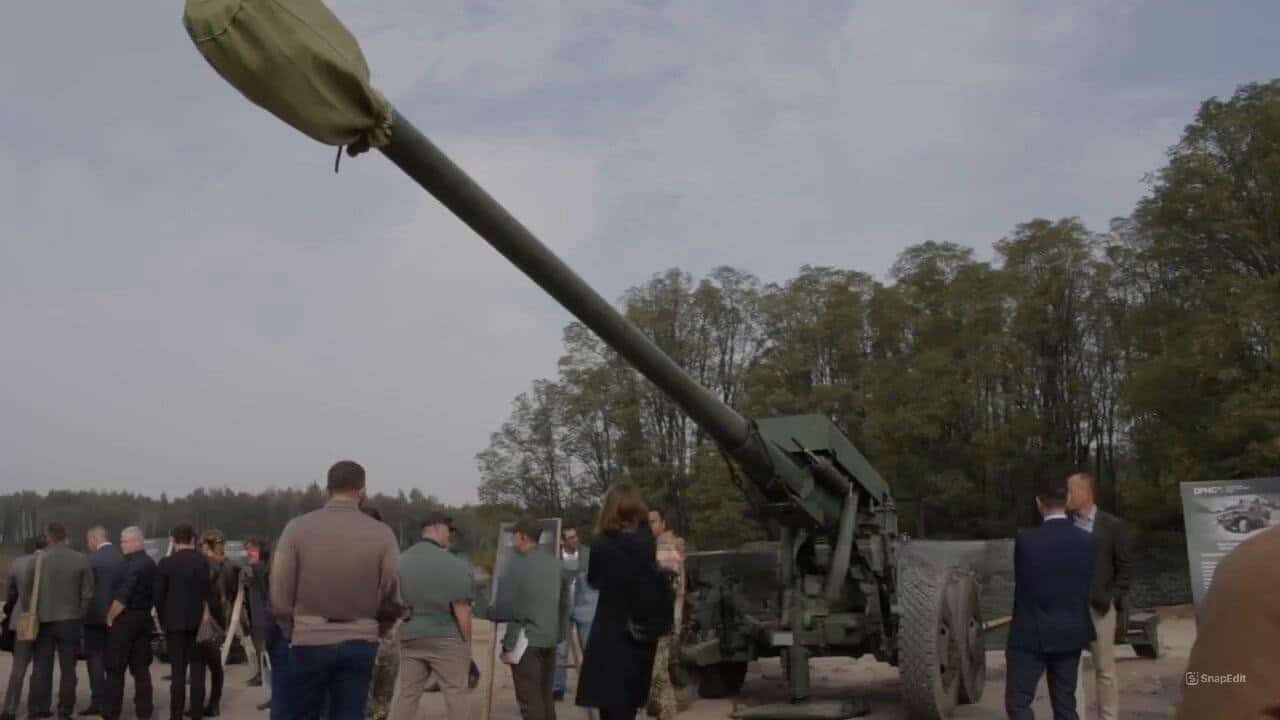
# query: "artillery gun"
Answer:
x=834 y=584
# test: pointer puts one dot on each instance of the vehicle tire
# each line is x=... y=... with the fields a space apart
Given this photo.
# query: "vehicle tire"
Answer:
x=1242 y=525
x=930 y=647
x=721 y=680
x=973 y=651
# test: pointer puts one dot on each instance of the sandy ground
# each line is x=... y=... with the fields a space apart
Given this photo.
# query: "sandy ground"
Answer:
x=1149 y=688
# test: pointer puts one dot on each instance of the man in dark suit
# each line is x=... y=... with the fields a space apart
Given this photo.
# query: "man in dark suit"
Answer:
x=104 y=560
x=1112 y=572
x=1053 y=570
x=182 y=590
x=130 y=626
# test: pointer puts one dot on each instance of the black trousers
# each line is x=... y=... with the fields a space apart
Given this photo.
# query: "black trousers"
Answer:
x=95 y=651
x=618 y=713
x=64 y=638
x=1023 y=673
x=211 y=658
x=533 y=677
x=185 y=658
x=129 y=647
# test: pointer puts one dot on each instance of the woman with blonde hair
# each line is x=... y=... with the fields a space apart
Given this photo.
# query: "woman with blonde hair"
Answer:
x=618 y=662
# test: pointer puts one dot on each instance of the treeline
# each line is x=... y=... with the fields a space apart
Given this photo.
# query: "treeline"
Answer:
x=239 y=515
x=1146 y=353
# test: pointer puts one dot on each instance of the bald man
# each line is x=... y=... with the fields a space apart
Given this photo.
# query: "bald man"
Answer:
x=1112 y=574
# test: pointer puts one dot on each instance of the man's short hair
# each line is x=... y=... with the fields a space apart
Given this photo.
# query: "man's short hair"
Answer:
x=568 y=528
x=1052 y=492
x=132 y=531
x=183 y=534
x=56 y=532
x=434 y=518
x=97 y=531
x=1088 y=478
x=528 y=527
x=346 y=476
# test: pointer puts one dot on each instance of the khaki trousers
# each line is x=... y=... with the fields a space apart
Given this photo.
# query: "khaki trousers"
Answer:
x=450 y=660
x=1098 y=686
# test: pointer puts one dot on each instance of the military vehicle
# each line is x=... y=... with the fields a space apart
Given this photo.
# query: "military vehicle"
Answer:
x=833 y=584
x=1242 y=518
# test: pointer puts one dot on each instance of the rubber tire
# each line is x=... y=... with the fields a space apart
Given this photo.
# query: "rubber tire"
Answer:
x=928 y=692
x=973 y=652
x=721 y=680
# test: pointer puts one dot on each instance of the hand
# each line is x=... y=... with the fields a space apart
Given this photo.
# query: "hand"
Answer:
x=114 y=612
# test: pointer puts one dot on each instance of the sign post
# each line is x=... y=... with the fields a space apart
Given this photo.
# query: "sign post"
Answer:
x=1220 y=515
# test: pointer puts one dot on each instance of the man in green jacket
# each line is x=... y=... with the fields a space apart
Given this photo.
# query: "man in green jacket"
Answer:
x=537 y=609
x=439 y=589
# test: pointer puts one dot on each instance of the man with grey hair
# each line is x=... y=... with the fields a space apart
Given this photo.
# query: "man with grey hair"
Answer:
x=130 y=624
x=104 y=560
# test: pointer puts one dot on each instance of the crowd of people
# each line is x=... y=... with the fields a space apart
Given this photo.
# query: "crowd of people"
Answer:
x=111 y=605
x=345 y=620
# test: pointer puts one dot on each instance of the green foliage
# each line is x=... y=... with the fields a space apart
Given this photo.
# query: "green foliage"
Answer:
x=239 y=515
x=1147 y=354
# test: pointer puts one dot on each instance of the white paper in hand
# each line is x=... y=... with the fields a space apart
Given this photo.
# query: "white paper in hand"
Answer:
x=517 y=652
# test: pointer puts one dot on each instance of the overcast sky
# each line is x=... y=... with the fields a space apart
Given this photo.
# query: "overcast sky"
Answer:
x=189 y=296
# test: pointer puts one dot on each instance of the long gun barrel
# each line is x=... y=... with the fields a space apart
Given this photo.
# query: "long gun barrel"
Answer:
x=419 y=158
x=298 y=61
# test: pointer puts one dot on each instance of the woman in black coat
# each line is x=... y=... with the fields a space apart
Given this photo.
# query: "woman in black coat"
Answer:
x=616 y=669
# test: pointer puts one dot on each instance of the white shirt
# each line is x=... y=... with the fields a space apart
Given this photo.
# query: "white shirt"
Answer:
x=1085 y=520
x=1055 y=516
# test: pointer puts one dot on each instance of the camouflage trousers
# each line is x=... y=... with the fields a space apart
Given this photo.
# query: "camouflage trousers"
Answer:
x=662 y=692
x=382 y=686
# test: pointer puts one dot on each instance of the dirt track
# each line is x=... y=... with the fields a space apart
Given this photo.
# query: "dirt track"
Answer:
x=1149 y=687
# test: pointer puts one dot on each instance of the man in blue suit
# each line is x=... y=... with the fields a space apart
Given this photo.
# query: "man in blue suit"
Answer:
x=1053 y=572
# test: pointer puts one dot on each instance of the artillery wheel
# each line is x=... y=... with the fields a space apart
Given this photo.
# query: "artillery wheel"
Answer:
x=973 y=652
x=721 y=680
x=930 y=643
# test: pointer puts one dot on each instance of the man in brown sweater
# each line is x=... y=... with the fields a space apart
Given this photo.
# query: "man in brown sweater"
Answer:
x=333 y=577
x=1234 y=669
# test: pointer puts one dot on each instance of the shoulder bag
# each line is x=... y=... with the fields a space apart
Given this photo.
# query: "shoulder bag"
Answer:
x=29 y=621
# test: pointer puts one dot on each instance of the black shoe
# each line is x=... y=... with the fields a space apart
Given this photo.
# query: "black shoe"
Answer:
x=211 y=711
x=91 y=711
x=255 y=681
x=558 y=695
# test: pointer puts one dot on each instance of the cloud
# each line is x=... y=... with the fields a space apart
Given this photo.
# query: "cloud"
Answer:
x=190 y=296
